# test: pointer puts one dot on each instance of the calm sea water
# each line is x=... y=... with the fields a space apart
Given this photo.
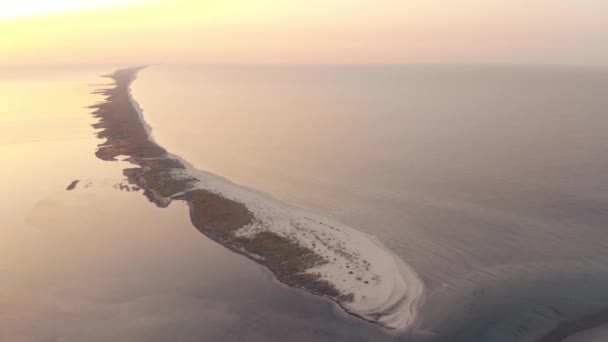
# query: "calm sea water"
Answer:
x=100 y=264
x=490 y=181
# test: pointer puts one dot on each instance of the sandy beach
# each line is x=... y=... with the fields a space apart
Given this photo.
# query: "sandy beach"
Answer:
x=303 y=250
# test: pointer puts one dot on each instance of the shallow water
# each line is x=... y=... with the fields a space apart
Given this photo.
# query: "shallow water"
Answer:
x=99 y=264
x=489 y=181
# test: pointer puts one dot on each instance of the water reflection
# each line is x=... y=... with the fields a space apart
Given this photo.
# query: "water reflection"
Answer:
x=490 y=181
x=99 y=264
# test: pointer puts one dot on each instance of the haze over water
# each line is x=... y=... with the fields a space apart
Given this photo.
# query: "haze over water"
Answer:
x=394 y=117
x=98 y=263
x=489 y=181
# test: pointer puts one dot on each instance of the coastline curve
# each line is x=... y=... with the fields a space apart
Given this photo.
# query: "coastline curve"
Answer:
x=302 y=249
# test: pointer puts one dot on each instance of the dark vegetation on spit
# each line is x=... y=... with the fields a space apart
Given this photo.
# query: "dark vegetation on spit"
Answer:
x=163 y=179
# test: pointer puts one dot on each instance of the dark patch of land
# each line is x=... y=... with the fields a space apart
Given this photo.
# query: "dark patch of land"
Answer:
x=72 y=185
x=163 y=179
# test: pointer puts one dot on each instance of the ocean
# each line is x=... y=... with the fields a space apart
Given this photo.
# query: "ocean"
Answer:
x=99 y=263
x=489 y=181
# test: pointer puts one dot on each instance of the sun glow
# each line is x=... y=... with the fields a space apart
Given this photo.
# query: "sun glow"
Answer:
x=302 y=31
x=11 y=9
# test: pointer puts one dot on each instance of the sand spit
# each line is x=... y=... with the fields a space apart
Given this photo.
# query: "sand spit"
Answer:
x=303 y=250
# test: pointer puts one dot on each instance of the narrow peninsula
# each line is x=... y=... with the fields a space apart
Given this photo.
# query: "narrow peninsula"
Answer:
x=302 y=249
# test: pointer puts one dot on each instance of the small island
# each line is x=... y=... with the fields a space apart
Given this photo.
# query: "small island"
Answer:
x=303 y=250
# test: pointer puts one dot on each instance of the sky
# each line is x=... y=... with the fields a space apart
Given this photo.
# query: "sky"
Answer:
x=573 y=32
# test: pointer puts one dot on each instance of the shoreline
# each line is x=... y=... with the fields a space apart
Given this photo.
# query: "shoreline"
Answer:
x=301 y=249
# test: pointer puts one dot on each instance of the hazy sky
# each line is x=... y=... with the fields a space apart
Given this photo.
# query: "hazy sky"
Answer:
x=303 y=31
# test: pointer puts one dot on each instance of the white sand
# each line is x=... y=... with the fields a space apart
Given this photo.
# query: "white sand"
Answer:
x=386 y=290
